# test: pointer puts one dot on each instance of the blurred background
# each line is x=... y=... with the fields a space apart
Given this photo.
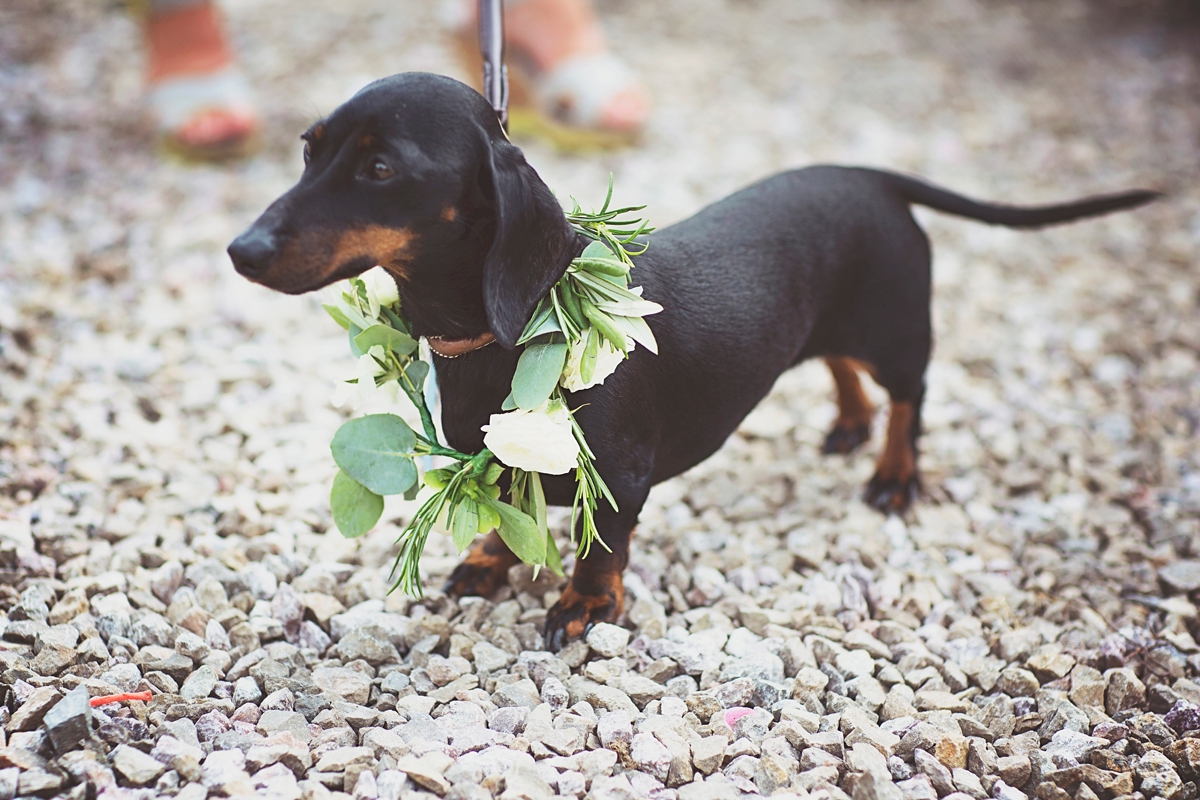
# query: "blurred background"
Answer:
x=150 y=397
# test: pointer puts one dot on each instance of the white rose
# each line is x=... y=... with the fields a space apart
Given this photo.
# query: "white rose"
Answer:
x=381 y=289
x=607 y=360
x=537 y=441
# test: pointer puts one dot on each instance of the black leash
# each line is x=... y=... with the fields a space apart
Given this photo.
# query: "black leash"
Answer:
x=491 y=47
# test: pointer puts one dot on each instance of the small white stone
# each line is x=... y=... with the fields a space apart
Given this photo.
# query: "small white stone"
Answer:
x=608 y=640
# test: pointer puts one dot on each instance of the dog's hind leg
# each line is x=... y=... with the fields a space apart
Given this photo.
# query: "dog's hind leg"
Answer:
x=853 y=424
x=897 y=481
x=483 y=571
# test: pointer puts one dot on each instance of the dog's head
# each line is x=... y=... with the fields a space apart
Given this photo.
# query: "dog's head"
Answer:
x=414 y=174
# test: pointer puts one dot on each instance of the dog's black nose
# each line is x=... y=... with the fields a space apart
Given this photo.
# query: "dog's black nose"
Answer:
x=252 y=252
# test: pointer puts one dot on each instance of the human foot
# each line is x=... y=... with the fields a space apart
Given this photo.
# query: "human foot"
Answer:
x=200 y=99
x=566 y=84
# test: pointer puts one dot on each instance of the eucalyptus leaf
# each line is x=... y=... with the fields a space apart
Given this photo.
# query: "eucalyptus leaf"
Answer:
x=537 y=373
x=417 y=371
x=355 y=508
x=338 y=316
x=386 y=336
x=509 y=404
x=520 y=532
x=376 y=450
x=353 y=331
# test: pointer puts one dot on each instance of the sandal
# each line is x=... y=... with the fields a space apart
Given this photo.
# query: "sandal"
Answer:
x=201 y=102
x=564 y=84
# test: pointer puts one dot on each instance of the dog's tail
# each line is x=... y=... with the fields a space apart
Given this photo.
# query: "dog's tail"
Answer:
x=925 y=194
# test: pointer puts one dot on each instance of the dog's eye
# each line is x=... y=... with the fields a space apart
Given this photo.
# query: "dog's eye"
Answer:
x=379 y=170
x=307 y=153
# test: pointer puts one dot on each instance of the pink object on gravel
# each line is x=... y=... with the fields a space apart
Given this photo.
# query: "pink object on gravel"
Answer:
x=734 y=714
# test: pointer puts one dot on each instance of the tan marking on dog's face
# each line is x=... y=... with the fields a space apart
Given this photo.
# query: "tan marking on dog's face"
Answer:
x=449 y=214
x=387 y=247
x=314 y=258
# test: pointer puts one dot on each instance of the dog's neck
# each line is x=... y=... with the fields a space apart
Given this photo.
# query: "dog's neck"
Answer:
x=474 y=382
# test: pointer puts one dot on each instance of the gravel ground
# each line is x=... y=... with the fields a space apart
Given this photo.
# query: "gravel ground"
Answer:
x=164 y=471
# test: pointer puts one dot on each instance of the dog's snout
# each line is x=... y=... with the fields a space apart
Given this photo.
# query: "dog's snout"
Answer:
x=252 y=252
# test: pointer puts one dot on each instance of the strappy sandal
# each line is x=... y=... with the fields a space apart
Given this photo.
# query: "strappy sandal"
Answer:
x=201 y=101
x=570 y=90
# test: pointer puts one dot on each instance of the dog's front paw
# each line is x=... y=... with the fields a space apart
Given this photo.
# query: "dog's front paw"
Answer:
x=892 y=495
x=845 y=439
x=575 y=613
x=483 y=571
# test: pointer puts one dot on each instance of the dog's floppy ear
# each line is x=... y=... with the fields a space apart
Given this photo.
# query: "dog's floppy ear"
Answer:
x=529 y=249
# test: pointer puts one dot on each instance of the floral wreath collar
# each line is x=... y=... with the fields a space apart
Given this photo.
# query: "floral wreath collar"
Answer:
x=579 y=333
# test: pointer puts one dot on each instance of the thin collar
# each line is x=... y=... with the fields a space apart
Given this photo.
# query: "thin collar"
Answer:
x=453 y=348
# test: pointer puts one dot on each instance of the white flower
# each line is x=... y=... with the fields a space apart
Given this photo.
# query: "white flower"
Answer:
x=537 y=441
x=365 y=391
x=607 y=360
x=381 y=289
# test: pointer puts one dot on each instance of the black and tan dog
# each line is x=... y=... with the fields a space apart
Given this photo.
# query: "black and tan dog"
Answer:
x=415 y=174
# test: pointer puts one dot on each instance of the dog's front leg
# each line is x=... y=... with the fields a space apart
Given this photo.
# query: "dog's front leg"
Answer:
x=596 y=592
x=484 y=570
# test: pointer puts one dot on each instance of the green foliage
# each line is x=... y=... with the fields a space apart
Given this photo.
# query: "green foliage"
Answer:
x=338 y=317
x=387 y=337
x=377 y=450
x=537 y=373
x=355 y=508
x=520 y=532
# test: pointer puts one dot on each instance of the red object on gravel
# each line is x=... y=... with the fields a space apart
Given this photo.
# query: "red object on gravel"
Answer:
x=121 y=698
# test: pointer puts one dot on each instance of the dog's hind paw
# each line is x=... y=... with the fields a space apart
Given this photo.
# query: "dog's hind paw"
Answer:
x=575 y=614
x=890 y=495
x=845 y=440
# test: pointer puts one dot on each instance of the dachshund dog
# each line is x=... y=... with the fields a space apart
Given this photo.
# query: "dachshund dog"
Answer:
x=415 y=174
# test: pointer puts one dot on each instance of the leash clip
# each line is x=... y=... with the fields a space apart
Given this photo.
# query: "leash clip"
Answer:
x=491 y=47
